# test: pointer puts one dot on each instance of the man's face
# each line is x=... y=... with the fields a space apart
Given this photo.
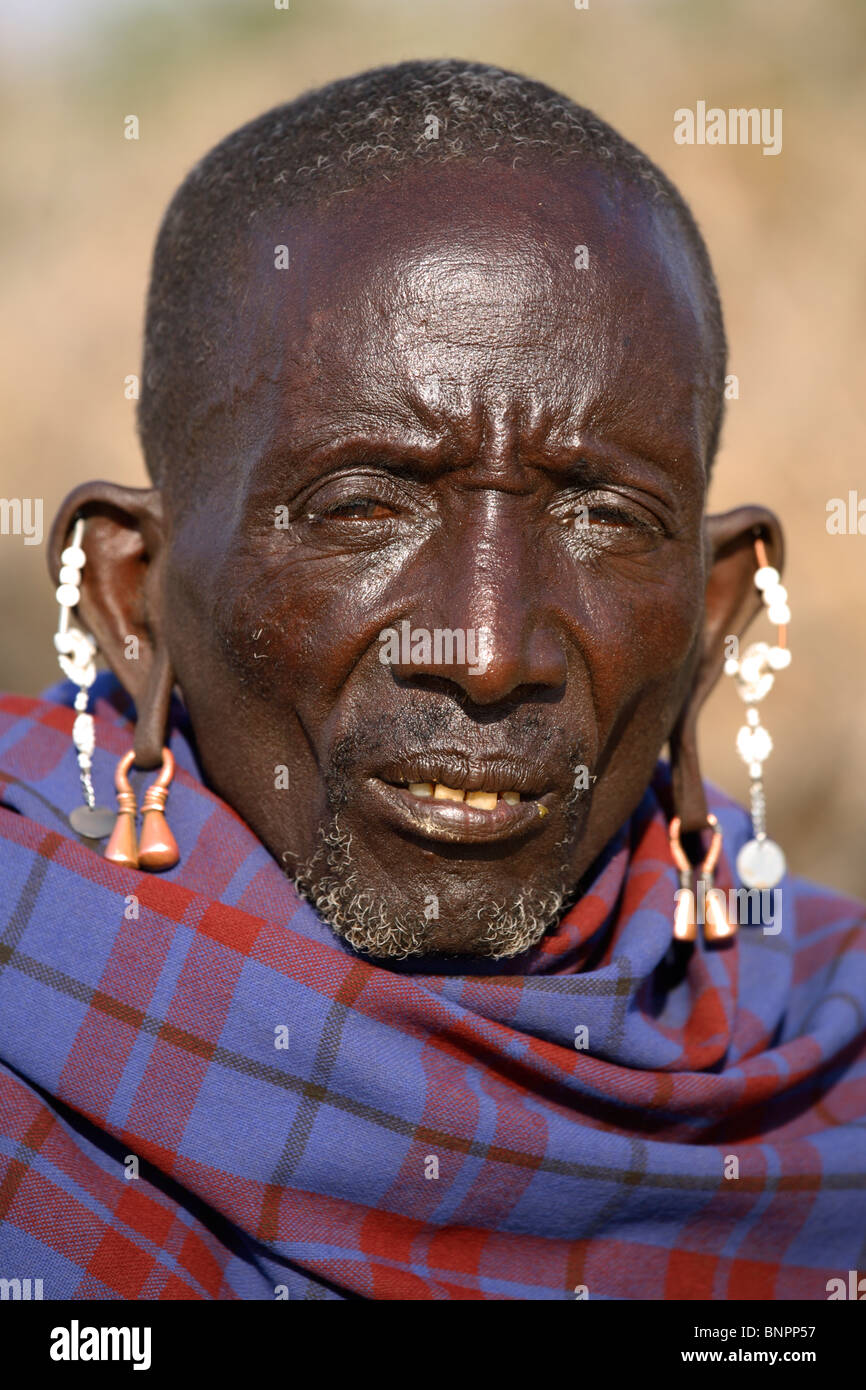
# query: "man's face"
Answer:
x=442 y=420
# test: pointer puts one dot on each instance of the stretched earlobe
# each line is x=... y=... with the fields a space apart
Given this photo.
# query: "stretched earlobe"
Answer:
x=152 y=711
x=688 y=784
x=121 y=596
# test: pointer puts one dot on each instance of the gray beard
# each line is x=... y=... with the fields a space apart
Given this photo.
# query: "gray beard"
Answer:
x=329 y=881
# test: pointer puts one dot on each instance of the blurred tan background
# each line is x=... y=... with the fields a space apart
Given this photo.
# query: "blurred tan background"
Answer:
x=81 y=204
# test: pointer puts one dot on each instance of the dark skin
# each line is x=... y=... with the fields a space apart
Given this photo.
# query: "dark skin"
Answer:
x=435 y=393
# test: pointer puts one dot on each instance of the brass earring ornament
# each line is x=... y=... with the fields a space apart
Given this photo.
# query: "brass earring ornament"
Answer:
x=157 y=849
x=122 y=848
x=705 y=903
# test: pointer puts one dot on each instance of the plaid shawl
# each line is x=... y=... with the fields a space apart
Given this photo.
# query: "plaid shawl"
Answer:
x=426 y=1132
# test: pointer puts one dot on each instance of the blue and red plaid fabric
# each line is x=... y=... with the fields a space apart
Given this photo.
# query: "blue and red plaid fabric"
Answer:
x=420 y=1135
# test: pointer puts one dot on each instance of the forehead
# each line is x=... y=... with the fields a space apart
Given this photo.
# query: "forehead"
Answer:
x=455 y=296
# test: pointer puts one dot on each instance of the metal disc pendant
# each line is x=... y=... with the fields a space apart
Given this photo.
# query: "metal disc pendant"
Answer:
x=95 y=822
x=761 y=864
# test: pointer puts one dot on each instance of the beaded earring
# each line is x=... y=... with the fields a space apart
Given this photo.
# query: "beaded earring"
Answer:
x=760 y=863
x=76 y=655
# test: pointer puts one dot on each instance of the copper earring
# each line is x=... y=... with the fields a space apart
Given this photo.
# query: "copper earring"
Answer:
x=122 y=847
x=710 y=906
x=157 y=848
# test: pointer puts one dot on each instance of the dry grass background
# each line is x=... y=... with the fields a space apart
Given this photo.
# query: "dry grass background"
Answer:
x=80 y=206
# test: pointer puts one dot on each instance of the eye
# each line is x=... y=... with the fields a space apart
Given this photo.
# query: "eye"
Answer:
x=358 y=509
x=607 y=516
x=585 y=511
x=604 y=519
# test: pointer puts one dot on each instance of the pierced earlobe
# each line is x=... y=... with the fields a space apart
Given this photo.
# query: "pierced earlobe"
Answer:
x=152 y=715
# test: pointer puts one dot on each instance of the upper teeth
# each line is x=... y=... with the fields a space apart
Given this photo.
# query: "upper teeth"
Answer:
x=439 y=792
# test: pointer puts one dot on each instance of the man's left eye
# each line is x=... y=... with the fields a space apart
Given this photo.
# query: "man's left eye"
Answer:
x=586 y=510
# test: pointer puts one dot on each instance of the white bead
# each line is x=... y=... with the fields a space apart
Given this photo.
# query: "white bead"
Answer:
x=80 y=675
x=85 y=762
x=762 y=745
x=750 y=669
x=779 y=613
x=776 y=593
x=67 y=595
x=750 y=694
x=73 y=555
x=732 y=666
x=70 y=575
x=754 y=745
x=761 y=864
x=766 y=576
x=752 y=717
x=779 y=658
x=83 y=734
x=755 y=771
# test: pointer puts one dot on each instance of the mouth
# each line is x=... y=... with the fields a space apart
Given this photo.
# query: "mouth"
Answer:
x=453 y=800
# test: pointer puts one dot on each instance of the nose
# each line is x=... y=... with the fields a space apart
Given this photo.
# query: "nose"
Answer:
x=489 y=597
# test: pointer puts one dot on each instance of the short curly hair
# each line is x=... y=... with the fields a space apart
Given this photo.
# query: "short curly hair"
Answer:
x=334 y=140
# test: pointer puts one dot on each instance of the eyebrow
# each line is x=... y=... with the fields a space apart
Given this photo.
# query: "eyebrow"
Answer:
x=588 y=458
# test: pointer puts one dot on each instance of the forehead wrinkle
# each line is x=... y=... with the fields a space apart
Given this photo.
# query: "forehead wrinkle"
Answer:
x=482 y=329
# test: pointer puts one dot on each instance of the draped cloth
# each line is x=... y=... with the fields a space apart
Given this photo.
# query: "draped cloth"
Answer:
x=204 y=1094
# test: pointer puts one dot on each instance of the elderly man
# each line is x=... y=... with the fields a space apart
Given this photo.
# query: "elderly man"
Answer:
x=433 y=384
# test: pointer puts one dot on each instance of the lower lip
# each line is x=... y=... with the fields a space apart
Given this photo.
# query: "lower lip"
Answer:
x=455 y=821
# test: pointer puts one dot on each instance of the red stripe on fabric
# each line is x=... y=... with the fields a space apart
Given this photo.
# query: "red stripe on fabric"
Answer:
x=36 y=755
x=498 y=1187
x=60 y=717
x=166 y=1096
x=690 y=1275
x=814 y=914
x=457 y=1249
x=20 y=705
x=204 y=872
x=144 y=1215
x=97 y=1059
x=177 y=1290
x=120 y=1264
x=399 y=1284
x=203 y=995
x=389 y=1236
x=159 y=1155
x=56 y=1218
x=815 y=957
x=202 y=1264
x=751 y=1279
x=449 y=1108
x=230 y=928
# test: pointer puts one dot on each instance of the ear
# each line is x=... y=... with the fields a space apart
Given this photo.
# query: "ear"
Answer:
x=732 y=601
x=121 y=595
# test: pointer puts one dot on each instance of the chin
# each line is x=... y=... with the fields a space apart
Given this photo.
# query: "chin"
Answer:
x=386 y=924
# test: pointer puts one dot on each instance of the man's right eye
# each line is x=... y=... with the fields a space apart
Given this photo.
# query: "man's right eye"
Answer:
x=356 y=509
